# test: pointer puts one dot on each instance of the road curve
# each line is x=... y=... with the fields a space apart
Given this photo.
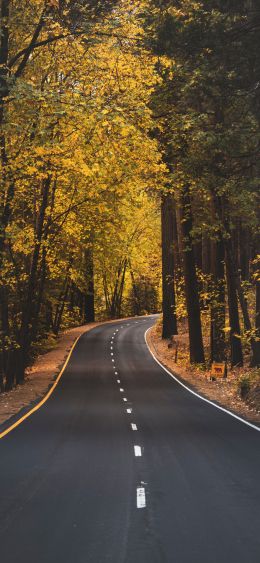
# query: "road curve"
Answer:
x=123 y=465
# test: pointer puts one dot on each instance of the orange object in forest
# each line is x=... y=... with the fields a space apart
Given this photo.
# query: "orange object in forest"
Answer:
x=218 y=369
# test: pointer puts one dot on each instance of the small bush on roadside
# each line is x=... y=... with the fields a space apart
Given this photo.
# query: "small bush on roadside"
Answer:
x=244 y=385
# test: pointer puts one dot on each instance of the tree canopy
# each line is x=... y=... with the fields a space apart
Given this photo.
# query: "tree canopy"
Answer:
x=112 y=113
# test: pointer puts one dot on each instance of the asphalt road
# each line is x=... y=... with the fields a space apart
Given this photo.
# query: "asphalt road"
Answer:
x=158 y=477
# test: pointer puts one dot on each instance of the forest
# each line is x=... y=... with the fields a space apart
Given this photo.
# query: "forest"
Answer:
x=129 y=183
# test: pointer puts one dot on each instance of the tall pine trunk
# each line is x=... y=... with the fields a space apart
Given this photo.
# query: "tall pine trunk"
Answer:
x=235 y=332
x=191 y=283
x=255 y=362
x=217 y=325
x=168 y=288
x=176 y=244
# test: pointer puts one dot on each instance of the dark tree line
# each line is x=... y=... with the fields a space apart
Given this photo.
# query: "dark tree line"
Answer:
x=206 y=116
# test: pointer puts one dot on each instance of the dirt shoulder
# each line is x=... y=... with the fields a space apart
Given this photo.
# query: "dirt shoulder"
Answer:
x=40 y=375
x=222 y=391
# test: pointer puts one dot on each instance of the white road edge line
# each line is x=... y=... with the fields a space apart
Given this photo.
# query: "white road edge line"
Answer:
x=134 y=427
x=197 y=394
x=138 y=451
x=140 y=497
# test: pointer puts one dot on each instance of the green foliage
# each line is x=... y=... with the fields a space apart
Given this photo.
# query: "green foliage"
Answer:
x=244 y=386
x=206 y=110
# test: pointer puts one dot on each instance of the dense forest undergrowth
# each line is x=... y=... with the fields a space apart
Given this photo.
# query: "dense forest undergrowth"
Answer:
x=129 y=141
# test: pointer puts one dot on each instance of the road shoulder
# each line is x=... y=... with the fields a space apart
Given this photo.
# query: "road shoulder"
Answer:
x=40 y=376
x=222 y=392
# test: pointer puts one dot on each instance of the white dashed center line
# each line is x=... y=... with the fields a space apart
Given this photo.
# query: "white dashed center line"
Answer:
x=121 y=390
x=118 y=381
x=138 y=451
x=125 y=399
x=140 y=497
x=129 y=411
x=134 y=427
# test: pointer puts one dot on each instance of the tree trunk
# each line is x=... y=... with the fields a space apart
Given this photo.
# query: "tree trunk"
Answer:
x=244 y=252
x=191 y=284
x=206 y=255
x=1 y=371
x=29 y=305
x=217 y=334
x=255 y=362
x=198 y=253
x=61 y=305
x=118 y=291
x=4 y=334
x=168 y=288
x=89 y=298
x=137 y=305
x=235 y=338
x=115 y=303
x=176 y=246
x=121 y=289
x=6 y=188
x=256 y=347
x=39 y=301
